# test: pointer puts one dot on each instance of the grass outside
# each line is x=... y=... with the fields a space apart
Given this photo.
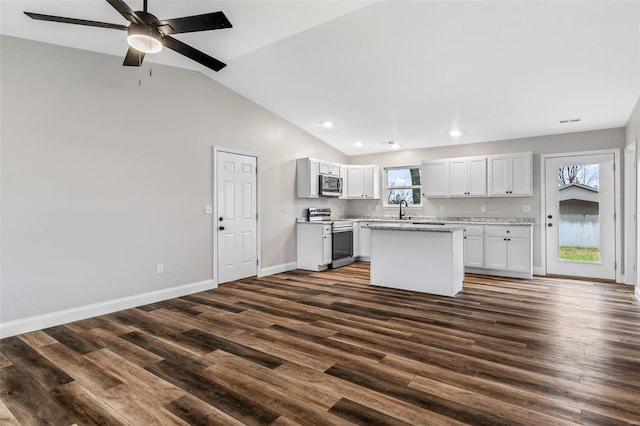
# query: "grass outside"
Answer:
x=580 y=254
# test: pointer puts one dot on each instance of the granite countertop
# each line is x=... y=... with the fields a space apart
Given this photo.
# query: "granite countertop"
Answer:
x=522 y=221
x=430 y=220
x=414 y=227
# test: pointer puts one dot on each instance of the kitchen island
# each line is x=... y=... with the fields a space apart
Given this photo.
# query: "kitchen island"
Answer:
x=417 y=257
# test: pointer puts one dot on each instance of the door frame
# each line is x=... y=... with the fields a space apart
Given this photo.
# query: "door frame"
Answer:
x=214 y=235
x=630 y=218
x=617 y=206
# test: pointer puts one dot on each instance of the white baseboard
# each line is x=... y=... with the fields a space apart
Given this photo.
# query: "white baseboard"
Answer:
x=538 y=270
x=277 y=269
x=638 y=293
x=38 y=322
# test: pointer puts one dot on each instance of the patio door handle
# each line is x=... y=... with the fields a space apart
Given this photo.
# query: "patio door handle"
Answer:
x=549 y=217
x=549 y=225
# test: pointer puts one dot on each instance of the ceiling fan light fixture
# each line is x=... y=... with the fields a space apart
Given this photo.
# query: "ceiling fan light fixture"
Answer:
x=144 y=39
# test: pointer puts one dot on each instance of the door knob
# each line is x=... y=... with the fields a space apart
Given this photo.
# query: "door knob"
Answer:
x=549 y=225
x=221 y=218
x=549 y=217
x=221 y=228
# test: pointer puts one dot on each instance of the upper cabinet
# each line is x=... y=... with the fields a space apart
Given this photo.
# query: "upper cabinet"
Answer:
x=468 y=177
x=507 y=175
x=358 y=182
x=363 y=182
x=307 y=171
x=435 y=178
x=326 y=168
x=510 y=175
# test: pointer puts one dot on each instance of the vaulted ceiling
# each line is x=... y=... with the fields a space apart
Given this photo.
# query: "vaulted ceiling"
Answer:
x=402 y=71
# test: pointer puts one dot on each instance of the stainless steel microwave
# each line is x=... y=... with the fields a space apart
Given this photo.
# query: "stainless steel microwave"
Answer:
x=330 y=186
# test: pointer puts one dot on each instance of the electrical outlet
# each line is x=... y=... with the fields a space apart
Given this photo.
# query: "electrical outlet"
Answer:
x=526 y=208
x=208 y=209
x=285 y=209
x=441 y=208
x=483 y=209
x=160 y=268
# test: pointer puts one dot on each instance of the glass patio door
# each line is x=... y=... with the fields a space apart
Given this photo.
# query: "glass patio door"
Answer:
x=579 y=219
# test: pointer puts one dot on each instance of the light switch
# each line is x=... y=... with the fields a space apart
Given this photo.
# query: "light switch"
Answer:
x=208 y=209
x=483 y=209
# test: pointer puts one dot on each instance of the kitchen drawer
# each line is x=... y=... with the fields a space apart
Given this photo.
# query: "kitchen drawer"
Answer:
x=507 y=231
x=474 y=230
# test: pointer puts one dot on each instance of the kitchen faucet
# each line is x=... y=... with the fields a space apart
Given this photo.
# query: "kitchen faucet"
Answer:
x=405 y=205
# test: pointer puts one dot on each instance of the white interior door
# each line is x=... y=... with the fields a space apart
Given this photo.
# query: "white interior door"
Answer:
x=580 y=220
x=236 y=221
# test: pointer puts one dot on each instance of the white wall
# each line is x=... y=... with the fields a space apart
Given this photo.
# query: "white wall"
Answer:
x=495 y=207
x=103 y=179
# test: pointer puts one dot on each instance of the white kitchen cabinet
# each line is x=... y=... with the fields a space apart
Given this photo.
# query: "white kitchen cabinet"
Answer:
x=435 y=179
x=363 y=182
x=344 y=175
x=508 y=248
x=468 y=177
x=364 y=241
x=307 y=171
x=474 y=246
x=313 y=246
x=356 y=239
x=327 y=168
x=327 y=241
x=510 y=175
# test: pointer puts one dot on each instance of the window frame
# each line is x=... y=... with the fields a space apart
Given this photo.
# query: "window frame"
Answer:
x=386 y=188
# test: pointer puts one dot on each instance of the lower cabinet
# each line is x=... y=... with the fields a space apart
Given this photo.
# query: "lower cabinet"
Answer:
x=508 y=248
x=474 y=246
x=314 y=246
x=364 y=242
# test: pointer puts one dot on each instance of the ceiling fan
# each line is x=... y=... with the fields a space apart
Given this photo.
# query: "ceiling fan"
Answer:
x=147 y=34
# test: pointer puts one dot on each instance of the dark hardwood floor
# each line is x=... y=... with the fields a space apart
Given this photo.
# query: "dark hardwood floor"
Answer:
x=327 y=348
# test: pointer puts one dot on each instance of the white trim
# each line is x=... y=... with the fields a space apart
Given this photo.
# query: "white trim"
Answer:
x=617 y=204
x=216 y=150
x=384 y=197
x=537 y=270
x=272 y=270
x=638 y=293
x=630 y=241
x=38 y=322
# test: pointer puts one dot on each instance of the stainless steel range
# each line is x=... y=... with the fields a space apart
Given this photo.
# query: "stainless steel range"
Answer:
x=341 y=236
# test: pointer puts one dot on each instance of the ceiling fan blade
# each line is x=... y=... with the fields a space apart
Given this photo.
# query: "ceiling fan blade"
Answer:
x=191 y=53
x=64 y=20
x=125 y=11
x=134 y=58
x=190 y=24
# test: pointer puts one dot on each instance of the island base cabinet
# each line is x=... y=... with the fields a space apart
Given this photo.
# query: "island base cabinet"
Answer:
x=428 y=262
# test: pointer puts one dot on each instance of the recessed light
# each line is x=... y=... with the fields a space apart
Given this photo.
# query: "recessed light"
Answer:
x=328 y=124
x=394 y=145
x=357 y=144
x=455 y=133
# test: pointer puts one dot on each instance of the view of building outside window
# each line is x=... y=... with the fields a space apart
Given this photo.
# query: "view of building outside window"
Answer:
x=579 y=224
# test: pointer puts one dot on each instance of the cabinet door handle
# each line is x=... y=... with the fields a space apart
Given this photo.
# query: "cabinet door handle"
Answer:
x=221 y=228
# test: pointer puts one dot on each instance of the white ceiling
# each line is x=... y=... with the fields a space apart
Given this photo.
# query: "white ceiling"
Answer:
x=407 y=71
